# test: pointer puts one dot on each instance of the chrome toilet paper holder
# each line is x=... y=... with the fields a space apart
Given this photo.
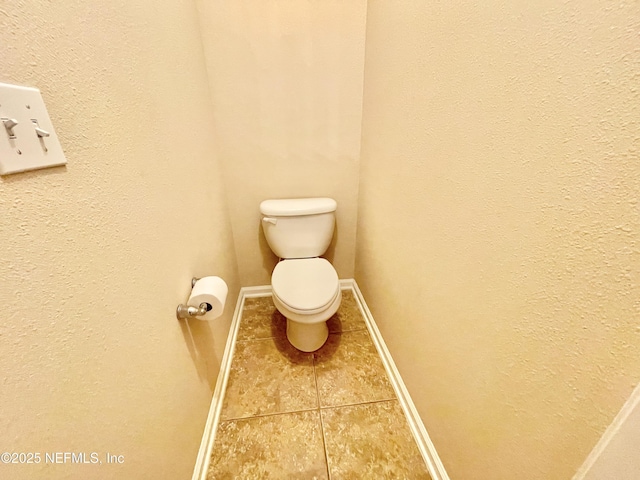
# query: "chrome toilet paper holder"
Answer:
x=185 y=311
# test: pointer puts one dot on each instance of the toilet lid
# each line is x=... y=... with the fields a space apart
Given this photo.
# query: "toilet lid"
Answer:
x=305 y=284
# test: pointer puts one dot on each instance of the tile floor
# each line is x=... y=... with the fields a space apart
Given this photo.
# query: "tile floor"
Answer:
x=331 y=414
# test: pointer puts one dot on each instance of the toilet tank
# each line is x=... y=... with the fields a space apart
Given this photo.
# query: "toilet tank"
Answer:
x=298 y=227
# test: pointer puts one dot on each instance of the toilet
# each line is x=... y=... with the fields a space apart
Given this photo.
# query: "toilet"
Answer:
x=305 y=287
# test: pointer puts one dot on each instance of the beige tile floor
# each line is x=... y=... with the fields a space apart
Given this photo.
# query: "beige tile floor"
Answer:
x=330 y=414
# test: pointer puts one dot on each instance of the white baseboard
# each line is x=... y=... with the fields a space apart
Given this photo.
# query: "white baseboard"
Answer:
x=426 y=447
x=616 y=438
x=209 y=435
x=254 y=292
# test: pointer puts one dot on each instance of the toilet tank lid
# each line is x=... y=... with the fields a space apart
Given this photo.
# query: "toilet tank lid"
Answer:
x=290 y=207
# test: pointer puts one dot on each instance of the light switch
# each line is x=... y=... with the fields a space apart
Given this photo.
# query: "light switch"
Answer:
x=28 y=140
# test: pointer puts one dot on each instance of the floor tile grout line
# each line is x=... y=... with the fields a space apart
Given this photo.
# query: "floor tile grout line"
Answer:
x=324 y=438
x=312 y=409
x=263 y=415
x=337 y=332
x=368 y=402
x=255 y=339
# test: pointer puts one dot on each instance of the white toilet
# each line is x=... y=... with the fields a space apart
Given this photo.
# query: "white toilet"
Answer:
x=305 y=287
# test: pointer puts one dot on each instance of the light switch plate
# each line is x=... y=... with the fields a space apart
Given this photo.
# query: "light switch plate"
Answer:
x=26 y=149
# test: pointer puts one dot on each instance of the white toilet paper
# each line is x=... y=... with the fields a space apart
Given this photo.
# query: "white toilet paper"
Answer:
x=211 y=290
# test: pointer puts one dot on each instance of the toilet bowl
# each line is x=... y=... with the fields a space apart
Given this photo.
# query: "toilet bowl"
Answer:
x=307 y=292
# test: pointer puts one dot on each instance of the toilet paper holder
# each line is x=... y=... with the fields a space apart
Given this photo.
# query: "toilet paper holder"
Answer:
x=185 y=311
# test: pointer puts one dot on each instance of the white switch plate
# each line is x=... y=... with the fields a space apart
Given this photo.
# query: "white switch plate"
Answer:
x=27 y=151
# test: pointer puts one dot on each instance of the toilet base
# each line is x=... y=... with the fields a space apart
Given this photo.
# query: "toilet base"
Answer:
x=307 y=337
x=307 y=333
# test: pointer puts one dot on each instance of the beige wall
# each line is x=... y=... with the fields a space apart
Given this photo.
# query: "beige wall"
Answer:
x=498 y=232
x=286 y=86
x=96 y=256
x=498 y=225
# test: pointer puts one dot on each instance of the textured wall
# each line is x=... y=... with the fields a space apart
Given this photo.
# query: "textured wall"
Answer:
x=498 y=231
x=286 y=86
x=96 y=256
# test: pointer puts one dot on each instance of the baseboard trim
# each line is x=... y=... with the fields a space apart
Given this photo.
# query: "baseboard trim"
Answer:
x=209 y=434
x=609 y=434
x=254 y=292
x=426 y=447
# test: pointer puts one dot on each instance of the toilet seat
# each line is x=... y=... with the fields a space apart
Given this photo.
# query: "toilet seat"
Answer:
x=305 y=285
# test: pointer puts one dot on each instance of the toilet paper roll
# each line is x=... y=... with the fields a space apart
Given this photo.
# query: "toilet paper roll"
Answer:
x=210 y=290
